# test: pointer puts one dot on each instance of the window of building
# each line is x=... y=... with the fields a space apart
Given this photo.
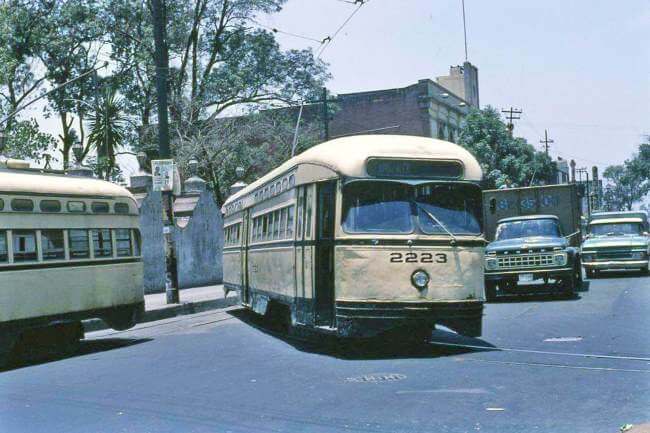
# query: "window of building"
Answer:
x=24 y=243
x=50 y=206
x=4 y=254
x=78 y=244
x=99 y=207
x=76 y=206
x=53 y=244
x=121 y=208
x=22 y=205
x=279 y=221
x=102 y=243
x=123 y=243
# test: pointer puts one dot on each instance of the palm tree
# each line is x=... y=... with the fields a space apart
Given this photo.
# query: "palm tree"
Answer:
x=107 y=131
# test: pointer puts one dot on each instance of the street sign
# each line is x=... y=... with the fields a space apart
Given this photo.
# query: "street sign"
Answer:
x=163 y=174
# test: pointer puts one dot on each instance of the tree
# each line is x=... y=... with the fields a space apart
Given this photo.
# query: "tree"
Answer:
x=107 y=131
x=506 y=161
x=258 y=143
x=628 y=183
x=25 y=141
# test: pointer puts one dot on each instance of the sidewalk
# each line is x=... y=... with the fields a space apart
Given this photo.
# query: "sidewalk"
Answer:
x=192 y=301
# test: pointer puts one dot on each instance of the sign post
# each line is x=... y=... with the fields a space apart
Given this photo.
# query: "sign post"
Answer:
x=165 y=180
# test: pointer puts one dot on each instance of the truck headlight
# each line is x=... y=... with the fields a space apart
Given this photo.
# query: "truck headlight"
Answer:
x=491 y=264
x=420 y=279
x=560 y=259
x=588 y=257
x=638 y=255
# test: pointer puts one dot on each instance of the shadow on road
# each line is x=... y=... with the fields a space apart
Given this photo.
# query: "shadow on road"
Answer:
x=540 y=293
x=26 y=355
x=619 y=274
x=363 y=349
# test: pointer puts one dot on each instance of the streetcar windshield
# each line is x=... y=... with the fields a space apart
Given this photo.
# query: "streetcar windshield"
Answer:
x=614 y=229
x=391 y=207
x=528 y=228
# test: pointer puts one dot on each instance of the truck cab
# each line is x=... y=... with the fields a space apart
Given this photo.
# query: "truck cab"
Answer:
x=529 y=248
x=616 y=240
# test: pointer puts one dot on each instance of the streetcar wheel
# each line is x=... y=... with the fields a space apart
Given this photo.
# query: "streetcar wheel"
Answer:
x=490 y=290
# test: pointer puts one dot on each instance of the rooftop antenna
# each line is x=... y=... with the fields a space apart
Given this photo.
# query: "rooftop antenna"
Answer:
x=464 y=29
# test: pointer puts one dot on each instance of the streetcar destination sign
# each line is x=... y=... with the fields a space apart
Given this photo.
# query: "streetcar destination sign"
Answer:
x=414 y=168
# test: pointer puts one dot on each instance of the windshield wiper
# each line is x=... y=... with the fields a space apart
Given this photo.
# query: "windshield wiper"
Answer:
x=454 y=240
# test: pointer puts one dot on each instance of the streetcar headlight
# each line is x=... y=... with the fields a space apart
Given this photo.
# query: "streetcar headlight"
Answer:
x=491 y=264
x=560 y=259
x=420 y=279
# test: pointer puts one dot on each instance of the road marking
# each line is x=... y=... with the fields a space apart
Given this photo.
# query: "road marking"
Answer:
x=575 y=367
x=562 y=339
x=376 y=378
x=495 y=409
x=450 y=391
x=541 y=352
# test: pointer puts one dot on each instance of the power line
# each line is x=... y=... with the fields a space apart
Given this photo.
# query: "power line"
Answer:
x=329 y=39
x=283 y=32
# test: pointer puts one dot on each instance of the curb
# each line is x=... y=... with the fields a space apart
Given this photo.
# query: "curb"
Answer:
x=168 y=312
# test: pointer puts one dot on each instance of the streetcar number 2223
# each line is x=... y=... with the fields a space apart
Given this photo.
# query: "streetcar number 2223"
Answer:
x=418 y=258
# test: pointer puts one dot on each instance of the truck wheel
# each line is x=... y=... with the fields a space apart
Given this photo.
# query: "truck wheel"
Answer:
x=490 y=290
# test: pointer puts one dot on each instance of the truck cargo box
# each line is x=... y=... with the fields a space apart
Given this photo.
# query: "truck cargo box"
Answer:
x=562 y=201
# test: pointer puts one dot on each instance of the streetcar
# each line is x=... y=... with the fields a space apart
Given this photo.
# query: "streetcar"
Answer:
x=362 y=236
x=70 y=250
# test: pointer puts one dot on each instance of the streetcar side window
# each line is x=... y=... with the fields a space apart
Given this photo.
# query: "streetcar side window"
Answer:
x=53 y=244
x=22 y=205
x=290 y=211
x=123 y=242
x=76 y=206
x=137 y=243
x=4 y=254
x=50 y=206
x=78 y=244
x=121 y=208
x=2 y=204
x=24 y=243
x=99 y=207
x=102 y=243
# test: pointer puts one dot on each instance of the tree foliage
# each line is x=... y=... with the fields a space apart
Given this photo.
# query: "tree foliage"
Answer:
x=506 y=161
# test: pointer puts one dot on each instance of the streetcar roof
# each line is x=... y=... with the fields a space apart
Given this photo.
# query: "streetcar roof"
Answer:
x=347 y=156
x=26 y=183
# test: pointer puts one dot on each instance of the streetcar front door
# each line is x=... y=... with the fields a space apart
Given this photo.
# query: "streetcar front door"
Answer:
x=324 y=260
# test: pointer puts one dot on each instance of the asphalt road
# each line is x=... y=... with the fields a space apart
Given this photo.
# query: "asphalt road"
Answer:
x=226 y=371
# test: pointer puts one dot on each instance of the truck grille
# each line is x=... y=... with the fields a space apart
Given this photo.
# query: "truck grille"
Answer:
x=613 y=255
x=525 y=261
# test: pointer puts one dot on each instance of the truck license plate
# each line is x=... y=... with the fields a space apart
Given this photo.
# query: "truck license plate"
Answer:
x=526 y=278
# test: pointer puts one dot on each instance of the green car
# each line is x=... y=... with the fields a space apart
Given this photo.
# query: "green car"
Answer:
x=616 y=240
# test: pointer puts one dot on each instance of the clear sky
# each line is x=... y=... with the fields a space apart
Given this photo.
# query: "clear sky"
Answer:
x=580 y=68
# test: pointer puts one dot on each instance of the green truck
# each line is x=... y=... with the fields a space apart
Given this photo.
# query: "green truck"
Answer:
x=616 y=240
x=534 y=236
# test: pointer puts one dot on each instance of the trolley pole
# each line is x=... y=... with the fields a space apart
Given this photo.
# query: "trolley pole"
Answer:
x=162 y=68
x=326 y=119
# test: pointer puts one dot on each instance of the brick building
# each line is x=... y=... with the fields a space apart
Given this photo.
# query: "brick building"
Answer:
x=427 y=108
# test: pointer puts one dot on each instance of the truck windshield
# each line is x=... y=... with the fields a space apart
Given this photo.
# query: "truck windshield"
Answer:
x=527 y=228
x=391 y=207
x=614 y=229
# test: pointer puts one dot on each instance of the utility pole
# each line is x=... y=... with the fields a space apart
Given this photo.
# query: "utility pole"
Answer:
x=512 y=114
x=546 y=141
x=326 y=115
x=162 y=68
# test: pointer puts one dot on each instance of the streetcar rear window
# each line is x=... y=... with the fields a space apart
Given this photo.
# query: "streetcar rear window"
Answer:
x=50 y=206
x=102 y=243
x=53 y=244
x=24 y=243
x=22 y=205
x=123 y=242
x=99 y=207
x=78 y=244
x=3 y=247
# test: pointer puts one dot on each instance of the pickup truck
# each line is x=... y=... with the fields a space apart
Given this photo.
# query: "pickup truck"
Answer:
x=616 y=240
x=529 y=248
